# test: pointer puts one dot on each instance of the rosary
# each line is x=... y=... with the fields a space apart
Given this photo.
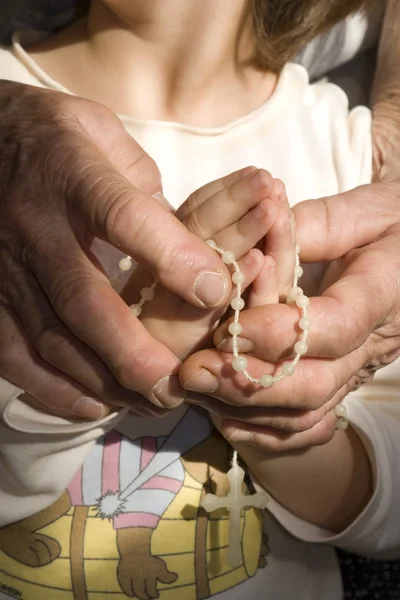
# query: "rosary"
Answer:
x=235 y=501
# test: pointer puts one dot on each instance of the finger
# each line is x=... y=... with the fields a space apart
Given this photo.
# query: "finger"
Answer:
x=139 y=225
x=285 y=419
x=340 y=320
x=274 y=440
x=165 y=308
x=314 y=382
x=280 y=246
x=21 y=365
x=200 y=196
x=330 y=227
x=243 y=235
x=58 y=347
x=229 y=205
x=265 y=287
x=103 y=321
x=48 y=389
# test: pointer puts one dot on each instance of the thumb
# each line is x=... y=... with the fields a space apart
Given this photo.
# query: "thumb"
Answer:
x=330 y=227
x=125 y=216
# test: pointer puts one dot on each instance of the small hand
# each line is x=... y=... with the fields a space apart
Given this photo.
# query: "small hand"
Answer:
x=236 y=212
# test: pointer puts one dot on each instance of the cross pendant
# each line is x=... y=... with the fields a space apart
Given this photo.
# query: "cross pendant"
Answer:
x=235 y=501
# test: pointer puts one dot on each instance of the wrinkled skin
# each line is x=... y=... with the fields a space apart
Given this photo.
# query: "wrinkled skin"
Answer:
x=68 y=172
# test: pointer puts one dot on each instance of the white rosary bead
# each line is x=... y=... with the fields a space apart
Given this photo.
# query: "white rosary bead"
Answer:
x=235 y=328
x=136 y=309
x=288 y=370
x=298 y=271
x=228 y=257
x=340 y=411
x=125 y=264
x=266 y=381
x=237 y=303
x=147 y=294
x=297 y=249
x=238 y=278
x=239 y=363
x=302 y=301
x=342 y=424
x=212 y=244
x=300 y=347
x=296 y=291
x=305 y=324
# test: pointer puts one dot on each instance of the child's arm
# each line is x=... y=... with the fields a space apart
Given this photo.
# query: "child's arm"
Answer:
x=350 y=487
x=327 y=485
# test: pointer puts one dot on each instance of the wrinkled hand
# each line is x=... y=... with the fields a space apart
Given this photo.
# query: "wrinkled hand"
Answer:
x=355 y=327
x=69 y=172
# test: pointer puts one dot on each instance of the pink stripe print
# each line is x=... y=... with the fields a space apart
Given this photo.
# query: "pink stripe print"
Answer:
x=149 y=448
x=136 y=519
x=110 y=467
x=159 y=482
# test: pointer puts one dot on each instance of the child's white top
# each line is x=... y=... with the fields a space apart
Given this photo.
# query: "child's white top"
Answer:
x=305 y=136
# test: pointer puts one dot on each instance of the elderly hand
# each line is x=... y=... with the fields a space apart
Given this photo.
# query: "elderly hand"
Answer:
x=69 y=172
x=355 y=327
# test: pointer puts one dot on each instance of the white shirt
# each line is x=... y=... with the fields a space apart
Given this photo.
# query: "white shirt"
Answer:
x=304 y=135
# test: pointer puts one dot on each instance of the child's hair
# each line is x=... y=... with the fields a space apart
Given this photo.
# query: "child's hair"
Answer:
x=283 y=27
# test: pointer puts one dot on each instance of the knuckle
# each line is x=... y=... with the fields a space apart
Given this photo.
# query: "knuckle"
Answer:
x=306 y=421
x=51 y=342
x=134 y=366
x=267 y=443
x=194 y=224
x=319 y=386
x=74 y=295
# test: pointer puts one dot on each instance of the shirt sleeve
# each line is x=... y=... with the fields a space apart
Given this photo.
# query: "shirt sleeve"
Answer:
x=375 y=415
x=39 y=453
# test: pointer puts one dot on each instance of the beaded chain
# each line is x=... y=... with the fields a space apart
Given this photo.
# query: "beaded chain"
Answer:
x=239 y=362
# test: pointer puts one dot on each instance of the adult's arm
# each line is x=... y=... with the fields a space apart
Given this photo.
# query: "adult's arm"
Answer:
x=68 y=172
x=386 y=98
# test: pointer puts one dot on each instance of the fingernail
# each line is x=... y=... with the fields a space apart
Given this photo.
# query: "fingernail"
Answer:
x=210 y=288
x=202 y=381
x=89 y=408
x=258 y=180
x=244 y=345
x=168 y=392
x=250 y=257
x=260 y=210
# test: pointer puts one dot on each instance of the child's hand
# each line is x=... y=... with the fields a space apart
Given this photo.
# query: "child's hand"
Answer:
x=237 y=212
x=275 y=279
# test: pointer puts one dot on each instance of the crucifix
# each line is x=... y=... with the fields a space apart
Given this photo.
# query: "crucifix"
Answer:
x=235 y=501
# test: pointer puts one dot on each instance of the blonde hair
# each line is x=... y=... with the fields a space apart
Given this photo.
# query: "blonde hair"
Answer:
x=283 y=27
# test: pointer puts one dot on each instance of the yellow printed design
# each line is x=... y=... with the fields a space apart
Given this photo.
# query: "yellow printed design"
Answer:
x=68 y=552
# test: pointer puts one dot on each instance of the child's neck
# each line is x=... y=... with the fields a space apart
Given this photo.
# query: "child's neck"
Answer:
x=177 y=61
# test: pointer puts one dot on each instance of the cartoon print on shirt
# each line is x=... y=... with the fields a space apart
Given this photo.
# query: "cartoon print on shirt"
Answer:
x=151 y=488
